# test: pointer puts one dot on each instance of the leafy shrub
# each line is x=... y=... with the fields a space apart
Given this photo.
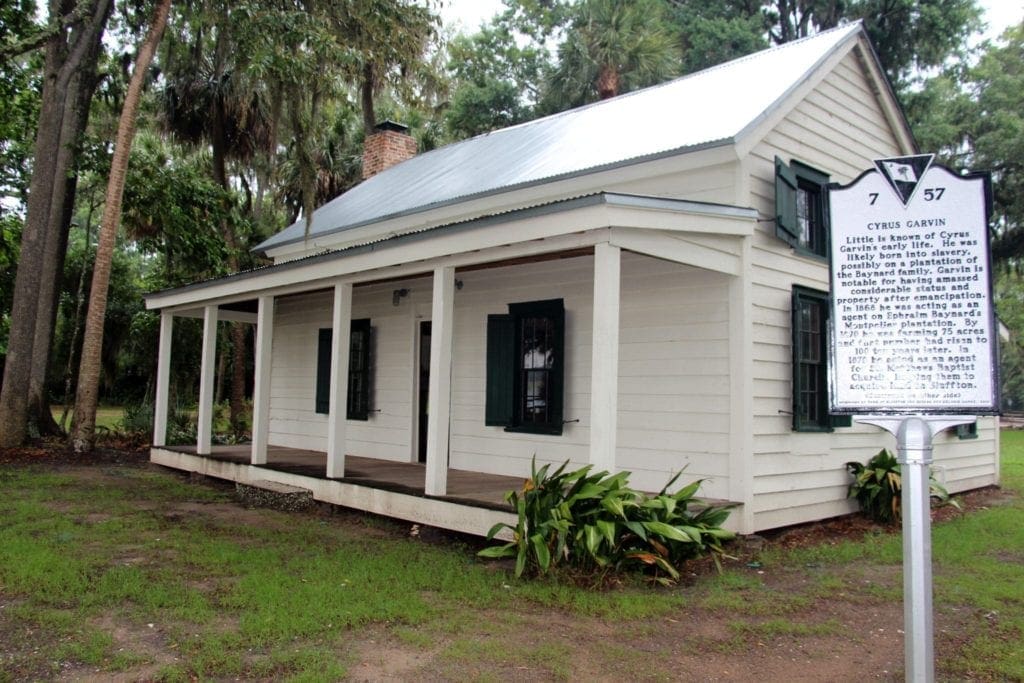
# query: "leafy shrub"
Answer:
x=181 y=427
x=877 y=487
x=595 y=522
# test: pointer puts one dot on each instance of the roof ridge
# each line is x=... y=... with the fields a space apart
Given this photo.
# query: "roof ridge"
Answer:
x=663 y=84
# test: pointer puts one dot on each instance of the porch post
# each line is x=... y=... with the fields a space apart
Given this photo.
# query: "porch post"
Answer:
x=741 y=393
x=604 y=369
x=341 y=324
x=204 y=421
x=261 y=380
x=438 y=420
x=163 y=373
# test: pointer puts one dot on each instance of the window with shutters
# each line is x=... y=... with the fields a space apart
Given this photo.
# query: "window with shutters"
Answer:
x=525 y=367
x=810 y=363
x=801 y=212
x=359 y=379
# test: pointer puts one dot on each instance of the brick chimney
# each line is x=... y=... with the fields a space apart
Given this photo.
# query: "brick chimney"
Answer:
x=389 y=145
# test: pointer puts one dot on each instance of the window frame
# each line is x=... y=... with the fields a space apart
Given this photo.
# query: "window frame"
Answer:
x=825 y=421
x=359 y=367
x=790 y=182
x=506 y=393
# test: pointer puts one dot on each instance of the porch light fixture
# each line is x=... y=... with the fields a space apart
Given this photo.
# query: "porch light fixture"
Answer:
x=398 y=295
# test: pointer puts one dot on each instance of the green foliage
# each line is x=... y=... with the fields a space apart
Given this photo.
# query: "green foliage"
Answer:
x=612 y=47
x=173 y=207
x=495 y=81
x=596 y=523
x=877 y=486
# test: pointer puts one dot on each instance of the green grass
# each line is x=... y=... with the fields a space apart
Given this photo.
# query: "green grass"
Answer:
x=86 y=558
x=75 y=550
x=106 y=416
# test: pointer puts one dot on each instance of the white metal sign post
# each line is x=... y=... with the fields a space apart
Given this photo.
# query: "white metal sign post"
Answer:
x=913 y=336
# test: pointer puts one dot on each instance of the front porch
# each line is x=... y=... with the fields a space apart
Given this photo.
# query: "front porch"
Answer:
x=473 y=503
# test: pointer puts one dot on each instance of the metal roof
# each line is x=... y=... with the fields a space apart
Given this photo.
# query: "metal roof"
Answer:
x=705 y=108
x=615 y=199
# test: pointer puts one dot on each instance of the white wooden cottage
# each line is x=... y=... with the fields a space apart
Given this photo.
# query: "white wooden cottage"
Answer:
x=639 y=284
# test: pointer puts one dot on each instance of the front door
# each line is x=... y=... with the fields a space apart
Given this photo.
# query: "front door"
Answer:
x=424 y=397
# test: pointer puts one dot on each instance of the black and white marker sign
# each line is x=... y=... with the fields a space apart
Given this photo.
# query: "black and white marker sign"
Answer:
x=912 y=324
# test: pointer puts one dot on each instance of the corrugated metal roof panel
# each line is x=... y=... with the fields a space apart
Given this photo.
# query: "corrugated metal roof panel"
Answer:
x=712 y=105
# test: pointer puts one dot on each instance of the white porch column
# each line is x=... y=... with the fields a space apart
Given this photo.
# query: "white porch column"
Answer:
x=341 y=329
x=438 y=420
x=741 y=393
x=261 y=383
x=204 y=422
x=163 y=374
x=604 y=364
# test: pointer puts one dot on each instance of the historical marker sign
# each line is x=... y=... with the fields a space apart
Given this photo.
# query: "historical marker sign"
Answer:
x=913 y=329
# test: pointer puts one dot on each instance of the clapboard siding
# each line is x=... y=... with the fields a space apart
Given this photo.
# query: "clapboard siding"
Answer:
x=673 y=388
x=673 y=370
x=840 y=128
x=387 y=434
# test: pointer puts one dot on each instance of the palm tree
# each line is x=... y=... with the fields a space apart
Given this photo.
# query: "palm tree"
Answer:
x=209 y=101
x=613 y=46
x=84 y=421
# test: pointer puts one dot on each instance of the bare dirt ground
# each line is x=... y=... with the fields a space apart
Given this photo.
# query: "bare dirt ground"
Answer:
x=787 y=629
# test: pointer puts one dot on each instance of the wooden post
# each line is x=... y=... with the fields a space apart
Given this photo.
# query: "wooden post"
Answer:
x=261 y=381
x=204 y=421
x=741 y=393
x=438 y=420
x=341 y=328
x=163 y=374
x=604 y=370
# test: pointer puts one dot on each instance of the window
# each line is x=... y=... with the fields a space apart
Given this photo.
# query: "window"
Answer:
x=525 y=367
x=800 y=206
x=810 y=363
x=358 y=407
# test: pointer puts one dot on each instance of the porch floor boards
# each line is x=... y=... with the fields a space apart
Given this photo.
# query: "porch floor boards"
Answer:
x=470 y=488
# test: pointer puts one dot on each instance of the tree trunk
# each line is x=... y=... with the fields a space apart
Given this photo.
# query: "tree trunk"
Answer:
x=236 y=404
x=76 y=117
x=86 y=398
x=65 y=55
x=366 y=87
x=607 y=82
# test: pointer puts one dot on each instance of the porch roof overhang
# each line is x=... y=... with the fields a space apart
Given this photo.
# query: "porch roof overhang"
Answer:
x=696 y=233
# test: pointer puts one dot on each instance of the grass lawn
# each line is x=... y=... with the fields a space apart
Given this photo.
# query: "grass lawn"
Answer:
x=129 y=570
x=106 y=416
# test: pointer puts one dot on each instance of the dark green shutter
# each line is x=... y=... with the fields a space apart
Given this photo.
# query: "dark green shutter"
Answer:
x=500 y=370
x=786 y=227
x=359 y=378
x=841 y=420
x=969 y=431
x=558 y=373
x=833 y=420
x=796 y=349
x=323 y=371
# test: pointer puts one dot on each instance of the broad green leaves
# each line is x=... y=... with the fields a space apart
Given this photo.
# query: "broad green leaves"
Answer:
x=596 y=523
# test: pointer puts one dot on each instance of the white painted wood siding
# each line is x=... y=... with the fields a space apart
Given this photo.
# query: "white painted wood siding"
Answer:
x=673 y=404
x=387 y=434
x=798 y=477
